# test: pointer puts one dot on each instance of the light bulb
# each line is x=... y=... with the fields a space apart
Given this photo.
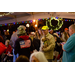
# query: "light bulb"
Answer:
x=27 y=25
x=36 y=25
x=33 y=20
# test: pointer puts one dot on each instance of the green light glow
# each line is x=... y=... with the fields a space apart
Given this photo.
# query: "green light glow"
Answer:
x=58 y=26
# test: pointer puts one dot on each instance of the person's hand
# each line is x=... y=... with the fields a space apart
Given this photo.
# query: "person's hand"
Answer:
x=62 y=47
x=9 y=54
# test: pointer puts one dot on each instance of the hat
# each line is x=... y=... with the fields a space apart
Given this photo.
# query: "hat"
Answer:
x=66 y=29
x=23 y=27
x=45 y=28
x=56 y=34
x=21 y=30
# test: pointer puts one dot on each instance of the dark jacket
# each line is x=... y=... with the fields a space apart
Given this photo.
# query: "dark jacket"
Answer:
x=36 y=44
x=23 y=46
x=58 y=46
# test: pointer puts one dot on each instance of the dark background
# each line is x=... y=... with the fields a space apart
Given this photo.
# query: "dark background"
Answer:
x=41 y=23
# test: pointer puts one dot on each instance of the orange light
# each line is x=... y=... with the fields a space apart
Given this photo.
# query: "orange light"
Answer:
x=33 y=20
x=36 y=25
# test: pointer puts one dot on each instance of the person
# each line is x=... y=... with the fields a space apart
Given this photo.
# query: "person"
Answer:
x=7 y=35
x=8 y=52
x=23 y=45
x=65 y=35
x=22 y=58
x=40 y=34
x=58 y=48
x=49 y=42
x=1 y=40
x=35 y=41
x=38 y=57
x=13 y=38
x=9 y=48
x=32 y=35
x=69 y=46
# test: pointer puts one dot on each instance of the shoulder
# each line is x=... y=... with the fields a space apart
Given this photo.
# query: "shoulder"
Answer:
x=72 y=38
x=73 y=35
x=50 y=36
x=18 y=39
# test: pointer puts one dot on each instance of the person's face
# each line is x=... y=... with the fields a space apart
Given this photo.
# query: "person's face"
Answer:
x=66 y=31
x=6 y=43
x=34 y=59
x=70 y=31
x=45 y=32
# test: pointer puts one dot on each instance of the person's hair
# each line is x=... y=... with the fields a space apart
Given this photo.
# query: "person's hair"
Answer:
x=72 y=27
x=39 y=55
x=7 y=42
x=22 y=58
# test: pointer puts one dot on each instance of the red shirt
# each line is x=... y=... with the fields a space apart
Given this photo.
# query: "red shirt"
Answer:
x=9 y=49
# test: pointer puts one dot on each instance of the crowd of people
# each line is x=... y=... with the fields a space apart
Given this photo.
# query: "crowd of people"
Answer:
x=43 y=45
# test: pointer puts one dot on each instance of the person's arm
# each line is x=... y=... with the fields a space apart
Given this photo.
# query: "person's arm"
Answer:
x=62 y=48
x=69 y=44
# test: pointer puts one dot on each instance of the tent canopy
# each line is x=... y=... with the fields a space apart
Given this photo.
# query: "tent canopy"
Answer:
x=10 y=17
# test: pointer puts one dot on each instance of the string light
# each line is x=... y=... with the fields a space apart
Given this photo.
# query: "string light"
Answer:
x=55 y=18
x=17 y=23
x=36 y=25
x=29 y=21
x=26 y=22
x=7 y=30
x=22 y=21
x=33 y=20
x=5 y=24
x=42 y=19
x=27 y=25
x=9 y=24
x=14 y=23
